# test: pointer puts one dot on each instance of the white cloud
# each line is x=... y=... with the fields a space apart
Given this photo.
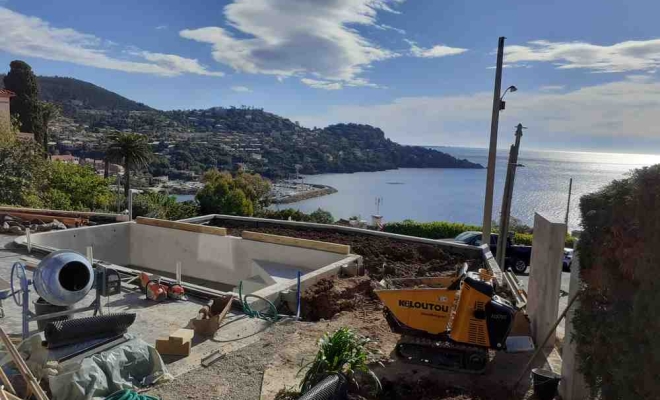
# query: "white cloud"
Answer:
x=433 y=52
x=241 y=89
x=627 y=108
x=161 y=27
x=33 y=37
x=626 y=56
x=304 y=38
x=318 y=84
x=551 y=88
x=385 y=27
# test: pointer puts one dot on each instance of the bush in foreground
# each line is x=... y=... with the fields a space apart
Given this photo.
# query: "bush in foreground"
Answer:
x=617 y=322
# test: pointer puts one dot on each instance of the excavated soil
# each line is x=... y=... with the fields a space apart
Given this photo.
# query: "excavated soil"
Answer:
x=332 y=296
x=382 y=257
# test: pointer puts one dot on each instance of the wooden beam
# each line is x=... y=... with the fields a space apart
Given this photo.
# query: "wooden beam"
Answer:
x=68 y=221
x=32 y=382
x=182 y=226
x=295 y=242
x=8 y=396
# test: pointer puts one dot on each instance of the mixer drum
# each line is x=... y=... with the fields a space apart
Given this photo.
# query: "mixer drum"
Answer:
x=63 y=278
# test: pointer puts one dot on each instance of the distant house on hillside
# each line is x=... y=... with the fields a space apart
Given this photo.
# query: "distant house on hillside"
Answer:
x=5 y=116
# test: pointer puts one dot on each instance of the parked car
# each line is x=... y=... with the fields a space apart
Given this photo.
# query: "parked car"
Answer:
x=568 y=259
x=517 y=256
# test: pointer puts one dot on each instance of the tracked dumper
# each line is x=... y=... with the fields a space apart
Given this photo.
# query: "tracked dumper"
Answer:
x=448 y=322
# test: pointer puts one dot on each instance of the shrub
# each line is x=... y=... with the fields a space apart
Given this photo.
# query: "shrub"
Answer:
x=430 y=230
x=162 y=206
x=342 y=352
x=449 y=230
x=617 y=324
x=319 y=216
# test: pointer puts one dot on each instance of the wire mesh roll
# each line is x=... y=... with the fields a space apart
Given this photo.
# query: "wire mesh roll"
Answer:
x=333 y=387
x=62 y=333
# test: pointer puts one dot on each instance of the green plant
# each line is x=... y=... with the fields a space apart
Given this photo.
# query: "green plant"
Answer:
x=431 y=230
x=343 y=352
x=616 y=323
x=448 y=230
x=162 y=206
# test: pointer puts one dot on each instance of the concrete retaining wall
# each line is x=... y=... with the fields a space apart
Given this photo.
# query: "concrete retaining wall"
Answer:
x=222 y=259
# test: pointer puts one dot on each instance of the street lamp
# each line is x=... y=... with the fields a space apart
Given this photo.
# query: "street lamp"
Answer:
x=502 y=102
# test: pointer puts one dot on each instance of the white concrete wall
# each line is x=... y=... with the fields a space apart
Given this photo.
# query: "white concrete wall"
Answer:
x=545 y=277
x=202 y=256
x=110 y=242
x=572 y=385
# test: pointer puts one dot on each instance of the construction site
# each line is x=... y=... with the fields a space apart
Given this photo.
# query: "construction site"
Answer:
x=224 y=307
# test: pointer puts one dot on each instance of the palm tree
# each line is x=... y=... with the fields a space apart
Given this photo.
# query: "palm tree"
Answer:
x=131 y=148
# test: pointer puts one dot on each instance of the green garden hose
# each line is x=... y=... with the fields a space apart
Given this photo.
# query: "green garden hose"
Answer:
x=128 y=394
x=271 y=316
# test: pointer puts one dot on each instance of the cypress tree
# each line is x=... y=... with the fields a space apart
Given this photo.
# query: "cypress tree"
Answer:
x=22 y=81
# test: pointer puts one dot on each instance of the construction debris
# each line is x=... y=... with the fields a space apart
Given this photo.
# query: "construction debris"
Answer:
x=16 y=224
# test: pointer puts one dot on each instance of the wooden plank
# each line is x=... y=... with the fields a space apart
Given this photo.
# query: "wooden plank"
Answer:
x=32 y=382
x=68 y=221
x=9 y=396
x=183 y=226
x=42 y=211
x=295 y=242
x=182 y=336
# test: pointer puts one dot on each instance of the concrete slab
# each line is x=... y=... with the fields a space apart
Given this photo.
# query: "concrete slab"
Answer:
x=154 y=320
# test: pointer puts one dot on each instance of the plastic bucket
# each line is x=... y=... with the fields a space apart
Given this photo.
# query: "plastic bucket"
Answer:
x=545 y=383
x=42 y=307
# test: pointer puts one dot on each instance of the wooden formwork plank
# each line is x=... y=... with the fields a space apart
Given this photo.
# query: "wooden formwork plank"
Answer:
x=183 y=226
x=290 y=241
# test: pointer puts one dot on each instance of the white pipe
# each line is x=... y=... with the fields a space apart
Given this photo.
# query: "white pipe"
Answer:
x=27 y=238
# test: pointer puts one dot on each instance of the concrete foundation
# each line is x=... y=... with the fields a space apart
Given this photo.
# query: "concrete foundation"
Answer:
x=545 y=277
x=219 y=261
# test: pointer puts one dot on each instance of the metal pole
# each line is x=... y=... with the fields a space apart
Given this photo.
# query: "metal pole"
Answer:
x=568 y=204
x=130 y=204
x=492 y=149
x=507 y=197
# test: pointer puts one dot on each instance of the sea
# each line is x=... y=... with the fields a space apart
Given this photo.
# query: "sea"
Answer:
x=457 y=195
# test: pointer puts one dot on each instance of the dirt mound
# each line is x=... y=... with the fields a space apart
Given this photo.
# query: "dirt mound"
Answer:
x=383 y=257
x=332 y=296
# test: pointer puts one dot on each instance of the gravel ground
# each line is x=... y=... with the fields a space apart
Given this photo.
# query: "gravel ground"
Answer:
x=237 y=376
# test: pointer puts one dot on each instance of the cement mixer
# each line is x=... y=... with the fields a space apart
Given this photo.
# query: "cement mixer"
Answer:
x=62 y=278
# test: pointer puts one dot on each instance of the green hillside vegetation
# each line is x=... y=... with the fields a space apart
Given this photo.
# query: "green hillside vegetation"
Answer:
x=225 y=138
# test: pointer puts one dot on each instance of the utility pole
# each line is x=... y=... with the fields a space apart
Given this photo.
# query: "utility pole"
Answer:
x=492 y=149
x=505 y=215
x=568 y=204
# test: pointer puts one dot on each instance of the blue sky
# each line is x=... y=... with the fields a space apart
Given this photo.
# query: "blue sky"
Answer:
x=420 y=70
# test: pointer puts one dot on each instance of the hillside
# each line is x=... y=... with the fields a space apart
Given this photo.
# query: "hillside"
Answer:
x=226 y=138
x=73 y=94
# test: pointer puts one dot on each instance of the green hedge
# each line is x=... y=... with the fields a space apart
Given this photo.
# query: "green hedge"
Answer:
x=430 y=230
x=617 y=325
x=447 y=230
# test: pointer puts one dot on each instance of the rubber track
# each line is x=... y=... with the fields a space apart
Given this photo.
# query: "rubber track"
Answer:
x=443 y=355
